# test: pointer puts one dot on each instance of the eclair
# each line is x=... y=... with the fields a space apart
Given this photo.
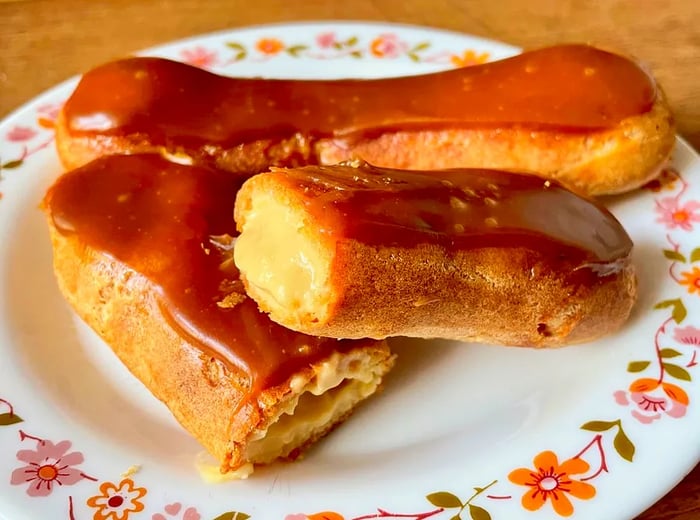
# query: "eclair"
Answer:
x=593 y=120
x=356 y=251
x=143 y=253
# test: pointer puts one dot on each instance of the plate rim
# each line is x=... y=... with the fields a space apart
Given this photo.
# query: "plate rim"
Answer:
x=53 y=92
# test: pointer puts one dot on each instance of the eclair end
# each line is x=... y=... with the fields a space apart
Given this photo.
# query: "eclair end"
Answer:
x=423 y=245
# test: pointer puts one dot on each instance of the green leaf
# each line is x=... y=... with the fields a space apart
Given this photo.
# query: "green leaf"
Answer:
x=235 y=46
x=9 y=165
x=679 y=311
x=479 y=489
x=296 y=49
x=456 y=517
x=623 y=445
x=241 y=55
x=669 y=353
x=598 y=426
x=695 y=255
x=337 y=45
x=421 y=47
x=351 y=41
x=665 y=303
x=674 y=255
x=637 y=366
x=414 y=57
x=356 y=54
x=7 y=418
x=677 y=372
x=478 y=513
x=233 y=515
x=444 y=499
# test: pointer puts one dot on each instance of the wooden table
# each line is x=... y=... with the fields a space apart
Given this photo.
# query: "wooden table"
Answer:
x=45 y=41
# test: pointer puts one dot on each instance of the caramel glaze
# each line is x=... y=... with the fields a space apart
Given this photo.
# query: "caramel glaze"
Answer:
x=459 y=211
x=170 y=223
x=568 y=87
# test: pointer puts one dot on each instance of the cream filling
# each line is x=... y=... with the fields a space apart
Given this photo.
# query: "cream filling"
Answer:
x=279 y=261
x=339 y=384
x=305 y=416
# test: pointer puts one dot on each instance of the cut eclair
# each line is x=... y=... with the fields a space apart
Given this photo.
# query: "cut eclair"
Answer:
x=354 y=251
x=142 y=252
x=591 y=119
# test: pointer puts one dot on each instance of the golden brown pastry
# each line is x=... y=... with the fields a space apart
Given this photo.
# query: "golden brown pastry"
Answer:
x=480 y=255
x=142 y=251
x=593 y=120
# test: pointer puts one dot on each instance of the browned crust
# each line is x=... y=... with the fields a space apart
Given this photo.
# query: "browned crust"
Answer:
x=594 y=163
x=508 y=296
x=245 y=159
x=486 y=296
x=200 y=391
x=500 y=296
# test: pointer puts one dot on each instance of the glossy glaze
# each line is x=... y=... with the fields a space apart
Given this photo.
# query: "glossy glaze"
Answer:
x=172 y=224
x=458 y=209
x=568 y=87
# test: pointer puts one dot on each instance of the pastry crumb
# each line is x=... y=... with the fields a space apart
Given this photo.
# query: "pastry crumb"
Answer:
x=230 y=300
x=131 y=470
x=176 y=156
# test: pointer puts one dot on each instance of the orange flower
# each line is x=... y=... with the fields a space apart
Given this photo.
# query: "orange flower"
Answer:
x=387 y=46
x=551 y=481
x=269 y=46
x=468 y=58
x=648 y=403
x=326 y=515
x=676 y=393
x=691 y=279
x=116 y=502
x=644 y=384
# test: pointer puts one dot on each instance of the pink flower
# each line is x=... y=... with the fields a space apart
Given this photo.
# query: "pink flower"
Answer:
x=172 y=510
x=673 y=215
x=687 y=335
x=325 y=40
x=20 y=133
x=388 y=46
x=48 y=465
x=650 y=398
x=199 y=57
x=50 y=111
x=47 y=115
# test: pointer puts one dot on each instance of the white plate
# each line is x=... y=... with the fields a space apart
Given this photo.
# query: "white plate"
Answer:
x=454 y=422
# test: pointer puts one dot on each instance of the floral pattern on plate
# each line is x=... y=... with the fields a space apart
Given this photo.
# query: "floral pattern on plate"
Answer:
x=326 y=45
x=654 y=387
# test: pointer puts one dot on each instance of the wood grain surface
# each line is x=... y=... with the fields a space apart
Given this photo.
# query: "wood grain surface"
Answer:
x=43 y=42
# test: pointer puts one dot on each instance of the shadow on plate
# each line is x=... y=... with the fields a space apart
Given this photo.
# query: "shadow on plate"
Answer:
x=77 y=373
